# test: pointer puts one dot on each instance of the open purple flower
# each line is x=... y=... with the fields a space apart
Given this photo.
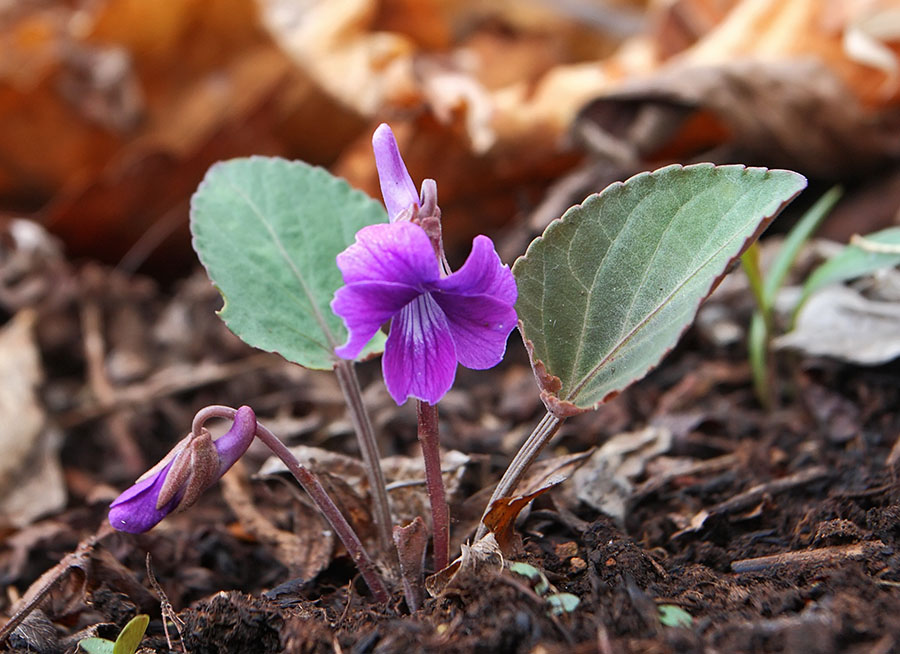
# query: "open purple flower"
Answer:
x=176 y=482
x=397 y=272
x=391 y=273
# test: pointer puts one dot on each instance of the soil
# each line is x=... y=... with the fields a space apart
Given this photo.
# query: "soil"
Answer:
x=775 y=530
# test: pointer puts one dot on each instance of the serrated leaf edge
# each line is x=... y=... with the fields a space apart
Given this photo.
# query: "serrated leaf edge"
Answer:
x=563 y=407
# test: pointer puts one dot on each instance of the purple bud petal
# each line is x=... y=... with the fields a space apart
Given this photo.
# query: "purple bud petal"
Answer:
x=232 y=445
x=397 y=187
x=134 y=511
x=140 y=507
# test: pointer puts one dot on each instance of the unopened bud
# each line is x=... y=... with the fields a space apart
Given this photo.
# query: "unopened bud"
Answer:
x=175 y=483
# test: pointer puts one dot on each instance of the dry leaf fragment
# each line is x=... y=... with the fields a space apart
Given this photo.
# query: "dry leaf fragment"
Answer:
x=607 y=480
x=482 y=561
x=304 y=554
x=500 y=519
x=841 y=323
x=31 y=481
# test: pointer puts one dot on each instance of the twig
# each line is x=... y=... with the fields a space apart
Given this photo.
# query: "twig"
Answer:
x=821 y=556
x=79 y=559
x=165 y=607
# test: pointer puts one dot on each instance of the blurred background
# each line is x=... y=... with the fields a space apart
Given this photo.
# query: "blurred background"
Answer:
x=112 y=110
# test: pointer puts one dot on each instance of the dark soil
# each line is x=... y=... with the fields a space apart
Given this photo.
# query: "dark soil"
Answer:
x=797 y=550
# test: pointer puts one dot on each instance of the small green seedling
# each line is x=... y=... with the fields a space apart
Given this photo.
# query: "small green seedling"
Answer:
x=127 y=641
x=559 y=603
x=765 y=290
x=674 y=616
x=863 y=256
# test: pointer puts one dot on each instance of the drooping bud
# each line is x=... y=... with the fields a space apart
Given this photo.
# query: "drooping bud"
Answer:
x=176 y=482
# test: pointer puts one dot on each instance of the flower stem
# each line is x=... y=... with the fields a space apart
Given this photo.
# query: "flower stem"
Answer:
x=313 y=487
x=368 y=447
x=531 y=448
x=440 y=513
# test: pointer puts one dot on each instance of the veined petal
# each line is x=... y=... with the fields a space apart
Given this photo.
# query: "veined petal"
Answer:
x=480 y=326
x=419 y=356
x=397 y=187
x=478 y=301
x=365 y=307
x=482 y=274
x=397 y=252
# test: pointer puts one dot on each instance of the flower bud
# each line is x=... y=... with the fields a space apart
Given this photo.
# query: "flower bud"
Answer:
x=176 y=482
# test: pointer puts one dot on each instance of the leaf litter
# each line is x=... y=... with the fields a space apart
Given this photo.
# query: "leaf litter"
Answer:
x=783 y=558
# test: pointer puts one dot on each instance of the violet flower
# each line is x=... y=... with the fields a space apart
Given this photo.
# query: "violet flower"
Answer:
x=392 y=273
x=176 y=482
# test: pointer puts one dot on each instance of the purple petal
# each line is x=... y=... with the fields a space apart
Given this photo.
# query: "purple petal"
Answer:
x=397 y=187
x=478 y=301
x=233 y=443
x=397 y=252
x=480 y=326
x=419 y=356
x=135 y=512
x=365 y=307
x=482 y=274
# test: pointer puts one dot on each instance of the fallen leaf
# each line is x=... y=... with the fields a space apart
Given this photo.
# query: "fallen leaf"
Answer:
x=607 y=480
x=480 y=561
x=405 y=477
x=304 y=553
x=31 y=480
x=841 y=323
x=500 y=519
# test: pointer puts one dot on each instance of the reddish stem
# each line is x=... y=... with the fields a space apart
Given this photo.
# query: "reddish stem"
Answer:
x=440 y=512
x=317 y=493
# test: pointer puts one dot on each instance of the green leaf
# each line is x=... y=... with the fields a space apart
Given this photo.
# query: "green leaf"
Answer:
x=609 y=288
x=674 y=616
x=267 y=231
x=562 y=603
x=131 y=635
x=541 y=585
x=96 y=646
x=790 y=249
x=855 y=261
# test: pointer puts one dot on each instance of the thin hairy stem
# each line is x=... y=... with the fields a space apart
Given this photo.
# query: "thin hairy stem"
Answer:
x=310 y=483
x=429 y=439
x=531 y=448
x=368 y=447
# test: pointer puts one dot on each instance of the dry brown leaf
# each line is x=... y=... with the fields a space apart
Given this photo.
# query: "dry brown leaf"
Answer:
x=305 y=554
x=839 y=322
x=607 y=480
x=31 y=480
x=760 y=112
x=405 y=476
x=500 y=518
x=480 y=561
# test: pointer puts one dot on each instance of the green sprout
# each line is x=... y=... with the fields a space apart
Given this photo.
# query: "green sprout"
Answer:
x=674 y=616
x=765 y=290
x=126 y=642
x=559 y=603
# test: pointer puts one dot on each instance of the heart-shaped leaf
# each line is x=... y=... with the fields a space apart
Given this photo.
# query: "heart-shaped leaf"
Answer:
x=608 y=289
x=268 y=231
